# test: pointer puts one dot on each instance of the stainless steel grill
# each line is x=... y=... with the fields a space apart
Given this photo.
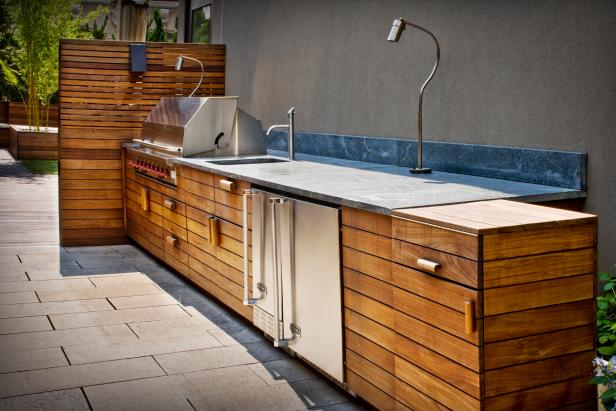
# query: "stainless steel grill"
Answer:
x=191 y=127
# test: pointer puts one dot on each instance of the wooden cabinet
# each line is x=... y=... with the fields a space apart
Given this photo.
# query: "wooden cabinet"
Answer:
x=479 y=306
x=196 y=228
x=487 y=305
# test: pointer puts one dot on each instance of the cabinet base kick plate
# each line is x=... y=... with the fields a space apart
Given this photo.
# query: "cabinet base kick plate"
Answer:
x=263 y=320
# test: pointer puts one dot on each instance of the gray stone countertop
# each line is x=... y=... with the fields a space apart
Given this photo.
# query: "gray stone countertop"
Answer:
x=377 y=187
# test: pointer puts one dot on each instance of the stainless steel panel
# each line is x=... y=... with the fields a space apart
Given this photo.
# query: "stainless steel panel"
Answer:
x=190 y=125
x=306 y=251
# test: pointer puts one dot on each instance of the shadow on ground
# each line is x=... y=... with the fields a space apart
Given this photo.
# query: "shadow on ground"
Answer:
x=313 y=391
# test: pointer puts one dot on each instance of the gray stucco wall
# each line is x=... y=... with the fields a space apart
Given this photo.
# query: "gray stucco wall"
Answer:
x=525 y=73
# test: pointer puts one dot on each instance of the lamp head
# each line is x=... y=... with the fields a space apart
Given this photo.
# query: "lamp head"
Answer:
x=179 y=63
x=396 y=30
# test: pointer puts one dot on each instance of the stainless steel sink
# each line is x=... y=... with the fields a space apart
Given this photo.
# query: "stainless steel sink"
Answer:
x=257 y=160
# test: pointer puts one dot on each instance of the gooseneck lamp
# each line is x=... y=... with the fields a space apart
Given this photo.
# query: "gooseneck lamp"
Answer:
x=179 y=63
x=394 y=36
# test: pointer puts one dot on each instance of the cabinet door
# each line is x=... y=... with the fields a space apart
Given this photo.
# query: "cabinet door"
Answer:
x=310 y=270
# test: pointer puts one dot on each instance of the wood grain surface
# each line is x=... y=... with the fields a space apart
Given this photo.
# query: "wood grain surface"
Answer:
x=103 y=104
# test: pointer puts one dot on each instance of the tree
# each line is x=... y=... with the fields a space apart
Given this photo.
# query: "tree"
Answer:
x=158 y=34
x=11 y=86
x=38 y=27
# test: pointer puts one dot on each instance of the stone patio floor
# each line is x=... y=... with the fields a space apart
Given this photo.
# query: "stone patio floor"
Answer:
x=111 y=328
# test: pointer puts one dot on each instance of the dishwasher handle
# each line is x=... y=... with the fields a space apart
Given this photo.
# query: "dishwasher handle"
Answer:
x=247 y=301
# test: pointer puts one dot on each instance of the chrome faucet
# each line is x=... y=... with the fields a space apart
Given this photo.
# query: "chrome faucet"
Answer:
x=291 y=128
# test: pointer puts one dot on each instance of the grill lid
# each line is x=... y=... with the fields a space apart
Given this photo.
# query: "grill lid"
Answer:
x=185 y=126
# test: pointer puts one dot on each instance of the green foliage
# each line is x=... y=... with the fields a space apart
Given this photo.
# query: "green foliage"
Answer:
x=158 y=33
x=605 y=375
x=606 y=316
x=201 y=26
x=41 y=166
x=37 y=29
x=12 y=86
x=97 y=33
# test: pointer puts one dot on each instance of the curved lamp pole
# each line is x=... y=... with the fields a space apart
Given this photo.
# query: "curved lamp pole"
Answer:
x=394 y=36
x=179 y=63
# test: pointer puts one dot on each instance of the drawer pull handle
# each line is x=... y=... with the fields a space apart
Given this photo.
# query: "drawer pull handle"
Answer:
x=227 y=185
x=214 y=231
x=469 y=319
x=428 y=265
x=145 y=199
x=169 y=203
x=171 y=239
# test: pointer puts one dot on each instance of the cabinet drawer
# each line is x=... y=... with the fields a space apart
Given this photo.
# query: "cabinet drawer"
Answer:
x=444 y=265
x=446 y=293
x=439 y=238
x=196 y=175
x=175 y=246
x=230 y=185
x=197 y=188
x=231 y=199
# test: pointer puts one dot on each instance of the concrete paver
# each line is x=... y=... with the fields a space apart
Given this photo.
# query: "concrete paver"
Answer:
x=140 y=301
x=64 y=338
x=57 y=307
x=182 y=327
x=282 y=371
x=18 y=298
x=160 y=393
x=98 y=292
x=219 y=357
x=59 y=284
x=129 y=333
x=88 y=353
x=59 y=378
x=13 y=275
x=72 y=399
x=26 y=360
x=89 y=319
x=24 y=325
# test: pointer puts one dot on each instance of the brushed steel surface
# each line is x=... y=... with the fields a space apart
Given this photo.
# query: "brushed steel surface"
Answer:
x=297 y=243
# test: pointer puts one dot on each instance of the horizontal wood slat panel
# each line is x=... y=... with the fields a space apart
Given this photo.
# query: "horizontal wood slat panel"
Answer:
x=417 y=399
x=448 y=370
x=443 y=292
x=367 y=221
x=510 y=271
x=367 y=242
x=518 y=377
x=17 y=114
x=441 y=391
x=556 y=395
x=537 y=321
x=540 y=241
x=371 y=372
x=371 y=393
x=452 y=267
x=521 y=350
x=439 y=238
x=102 y=104
x=532 y=295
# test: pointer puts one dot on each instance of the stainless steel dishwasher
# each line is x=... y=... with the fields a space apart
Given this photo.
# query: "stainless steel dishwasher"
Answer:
x=296 y=276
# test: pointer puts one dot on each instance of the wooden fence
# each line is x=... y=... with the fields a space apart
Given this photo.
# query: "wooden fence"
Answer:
x=17 y=114
x=103 y=104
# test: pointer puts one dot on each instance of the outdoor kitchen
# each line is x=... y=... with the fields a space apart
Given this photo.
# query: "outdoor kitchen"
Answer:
x=215 y=254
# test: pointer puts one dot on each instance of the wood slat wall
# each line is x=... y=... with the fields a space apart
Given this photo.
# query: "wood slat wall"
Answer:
x=17 y=114
x=103 y=104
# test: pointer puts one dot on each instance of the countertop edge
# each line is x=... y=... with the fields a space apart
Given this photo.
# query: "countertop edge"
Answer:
x=566 y=194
